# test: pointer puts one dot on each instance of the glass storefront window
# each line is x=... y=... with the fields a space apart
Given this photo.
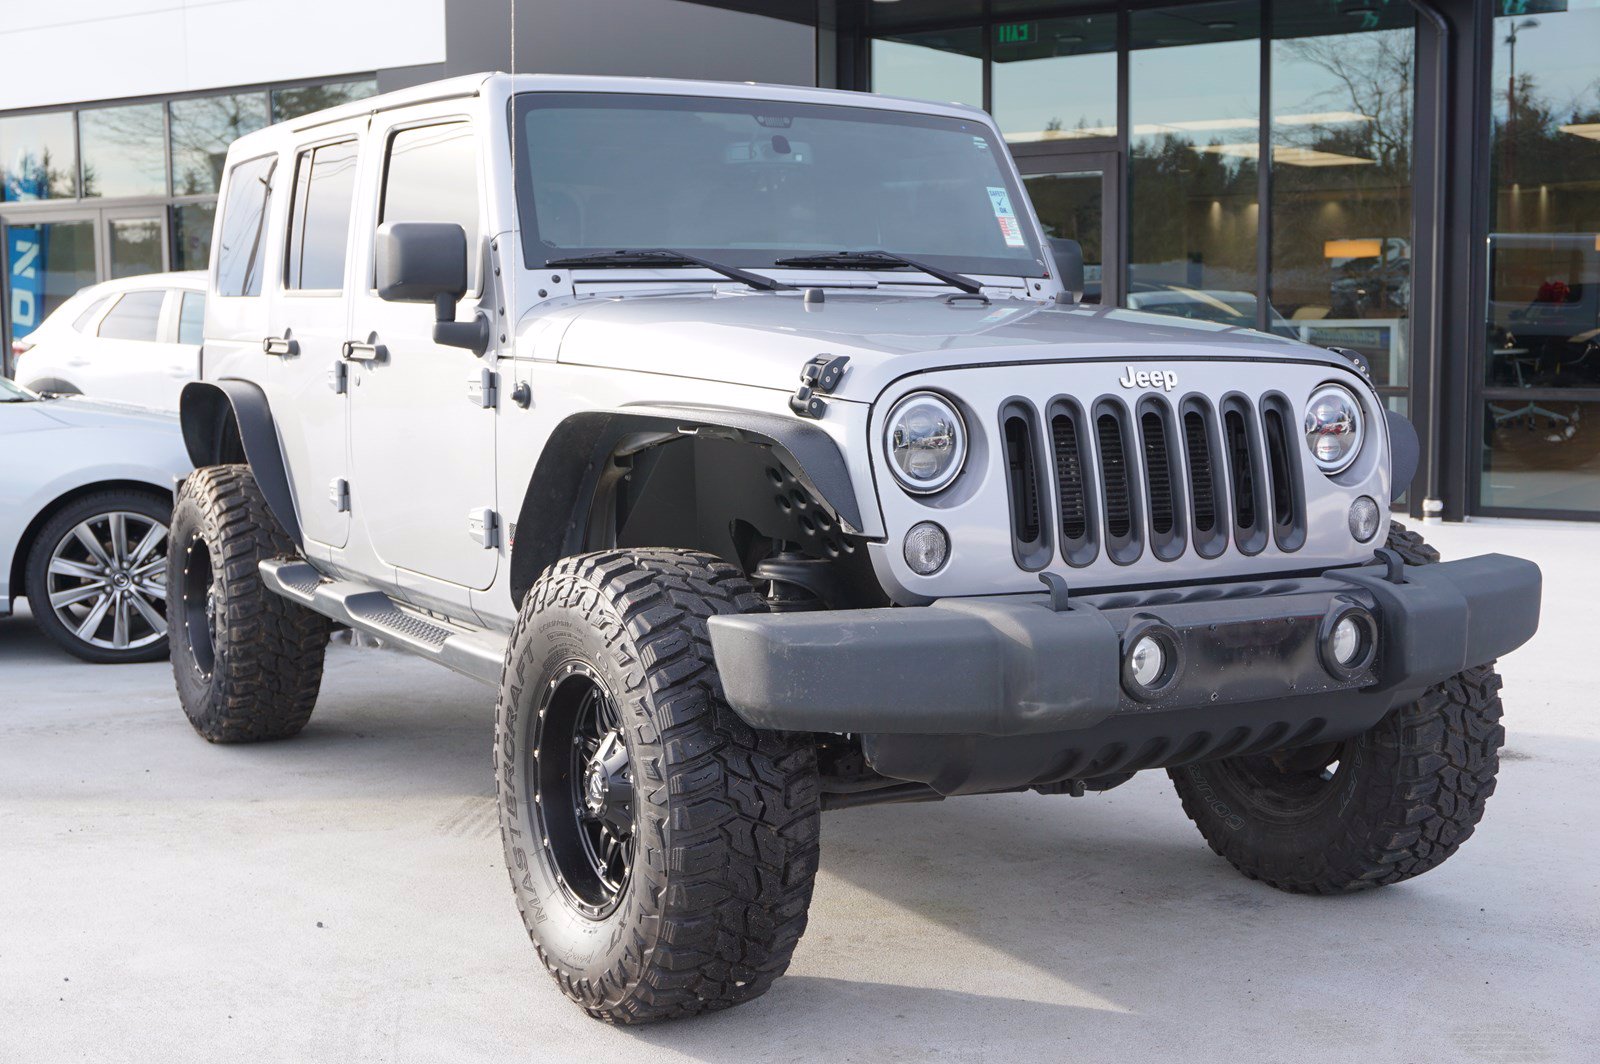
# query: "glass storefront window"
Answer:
x=1342 y=109
x=1055 y=79
x=38 y=157
x=60 y=258
x=191 y=235
x=292 y=103
x=133 y=246
x=944 y=65
x=124 y=150
x=201 y=131
x=1194 y=102
x=1542 y=452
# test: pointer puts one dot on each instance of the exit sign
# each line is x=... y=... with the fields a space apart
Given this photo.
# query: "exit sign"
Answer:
x=1016 y=32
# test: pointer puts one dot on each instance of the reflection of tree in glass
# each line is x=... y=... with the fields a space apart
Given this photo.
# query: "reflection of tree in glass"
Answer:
x=292 y=103
x=128 y=139
x=36 y=176
x=202 y=129
x=1372 y=75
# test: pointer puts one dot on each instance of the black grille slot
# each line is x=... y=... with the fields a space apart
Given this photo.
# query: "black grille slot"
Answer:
x=1202 y=482
x=1069 y=478
x=1022 y=468
x=1278 y=467
x=1114 y=477
x=1241 y=463
x=1158 y=472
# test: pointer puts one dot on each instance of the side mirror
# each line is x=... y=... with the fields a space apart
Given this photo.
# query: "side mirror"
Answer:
x=1069 y=265
x=426 y=262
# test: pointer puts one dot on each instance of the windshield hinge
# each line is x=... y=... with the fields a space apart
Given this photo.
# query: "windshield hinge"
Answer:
x=818 y=377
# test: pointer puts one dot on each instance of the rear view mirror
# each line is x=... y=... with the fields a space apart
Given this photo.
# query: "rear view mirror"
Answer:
x=426 y=262
x=1068 y=255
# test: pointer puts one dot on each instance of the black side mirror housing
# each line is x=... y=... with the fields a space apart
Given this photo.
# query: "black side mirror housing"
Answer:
x=426 y=262
x=1068 y=255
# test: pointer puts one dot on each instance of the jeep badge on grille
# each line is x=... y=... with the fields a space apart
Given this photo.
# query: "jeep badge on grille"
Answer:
x=1166 y=380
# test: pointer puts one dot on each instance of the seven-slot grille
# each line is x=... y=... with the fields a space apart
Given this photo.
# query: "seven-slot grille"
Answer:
x=1156 y=475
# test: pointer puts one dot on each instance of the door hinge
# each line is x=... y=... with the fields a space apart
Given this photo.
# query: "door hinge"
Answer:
x=483 y=388
x=339 y=494
x=483 y=525
x=339 y=377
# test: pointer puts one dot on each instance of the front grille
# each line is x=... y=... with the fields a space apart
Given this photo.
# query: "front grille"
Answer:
x=1172 y=475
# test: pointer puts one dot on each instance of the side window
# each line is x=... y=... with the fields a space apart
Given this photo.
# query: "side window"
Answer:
x=192 y=318
x=135 y=316
x=431 y=175
x=240 y=259
x=81 y=323
x=319 y=217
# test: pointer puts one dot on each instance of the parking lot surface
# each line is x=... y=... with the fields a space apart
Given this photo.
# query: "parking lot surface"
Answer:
x=342 y=897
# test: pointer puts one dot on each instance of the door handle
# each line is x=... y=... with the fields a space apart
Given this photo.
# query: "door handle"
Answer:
x=280 y=345
x=368 y=351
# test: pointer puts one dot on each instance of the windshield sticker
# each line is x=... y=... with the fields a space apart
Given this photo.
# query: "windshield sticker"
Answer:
x=1010 y=228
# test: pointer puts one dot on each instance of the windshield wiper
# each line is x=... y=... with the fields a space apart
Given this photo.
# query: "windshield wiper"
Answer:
x=624 y=257
x=866 y=260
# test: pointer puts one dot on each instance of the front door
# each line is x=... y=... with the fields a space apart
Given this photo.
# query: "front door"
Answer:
x=1076 y=196
x=422 y=446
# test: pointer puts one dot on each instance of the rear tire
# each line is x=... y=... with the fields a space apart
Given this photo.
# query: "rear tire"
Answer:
x=1380 y=808
x=248 y=663
x=661 y=851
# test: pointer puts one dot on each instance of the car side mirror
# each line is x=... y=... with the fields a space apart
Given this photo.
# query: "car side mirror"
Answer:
x=1068 y=255
x=426 y=262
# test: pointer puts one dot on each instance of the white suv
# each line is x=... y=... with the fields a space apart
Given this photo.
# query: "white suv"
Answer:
x=134 y=340
x=753 y=445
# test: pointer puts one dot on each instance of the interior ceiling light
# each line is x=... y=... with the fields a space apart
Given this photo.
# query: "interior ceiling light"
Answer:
x=1352 y=249
x=1204 y=125
x=1583 y=129
x=1288 y=156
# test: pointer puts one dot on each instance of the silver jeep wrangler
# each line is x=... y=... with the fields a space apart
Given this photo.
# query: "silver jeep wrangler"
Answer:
x=754 y=443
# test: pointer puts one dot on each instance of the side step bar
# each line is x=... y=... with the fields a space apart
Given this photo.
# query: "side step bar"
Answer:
x=473 y=653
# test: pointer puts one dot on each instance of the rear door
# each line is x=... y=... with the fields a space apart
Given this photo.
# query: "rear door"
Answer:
x=422 y=444
x=127 y=360
x=309 y=323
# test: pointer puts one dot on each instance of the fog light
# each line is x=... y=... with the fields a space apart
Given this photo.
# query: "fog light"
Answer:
x=1147 y=661
x=1348 y=640
x=1364 y=519
x=927 y=547
x=1346 y=643
x=1152 y=659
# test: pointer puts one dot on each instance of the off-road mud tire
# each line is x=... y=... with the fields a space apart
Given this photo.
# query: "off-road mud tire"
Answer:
x=1404 y=796
x=261 y=676
x=726 y=818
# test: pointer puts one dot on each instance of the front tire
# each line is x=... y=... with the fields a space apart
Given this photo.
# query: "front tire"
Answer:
x=248 y=663
x=1380 y=808
x=662 y=852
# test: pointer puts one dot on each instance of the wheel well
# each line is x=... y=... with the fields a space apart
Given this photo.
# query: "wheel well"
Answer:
x=19 y=561
x=210 y=427
x=726 y=493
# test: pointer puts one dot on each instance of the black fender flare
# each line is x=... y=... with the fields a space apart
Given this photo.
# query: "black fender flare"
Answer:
x=553 y=521
x=1404 y=452
x=202 y=409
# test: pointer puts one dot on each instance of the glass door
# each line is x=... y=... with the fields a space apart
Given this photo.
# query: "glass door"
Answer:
x=1076 y=195
x=135 y=241
x=48 y=257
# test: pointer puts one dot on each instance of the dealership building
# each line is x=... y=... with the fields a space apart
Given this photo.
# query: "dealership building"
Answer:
x=1418 y=180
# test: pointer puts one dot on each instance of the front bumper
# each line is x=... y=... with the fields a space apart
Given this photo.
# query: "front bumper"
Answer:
x=976 y=693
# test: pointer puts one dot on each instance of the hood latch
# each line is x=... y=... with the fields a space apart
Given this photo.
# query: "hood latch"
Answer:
x=818 y=377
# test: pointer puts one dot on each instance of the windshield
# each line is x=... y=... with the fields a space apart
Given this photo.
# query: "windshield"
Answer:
x=748 y=182
x=12 y=392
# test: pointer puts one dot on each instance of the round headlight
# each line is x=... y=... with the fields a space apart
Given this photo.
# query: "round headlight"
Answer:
x=1333 y=428
x=926 y=443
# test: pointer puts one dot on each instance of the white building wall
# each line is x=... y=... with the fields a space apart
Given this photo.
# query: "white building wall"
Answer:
x=85 y=50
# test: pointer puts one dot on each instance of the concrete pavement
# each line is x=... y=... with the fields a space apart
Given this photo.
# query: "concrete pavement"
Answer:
x=342 y=897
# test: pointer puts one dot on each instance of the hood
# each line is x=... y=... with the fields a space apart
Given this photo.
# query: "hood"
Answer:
x=78 y=412
x=763 y=339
